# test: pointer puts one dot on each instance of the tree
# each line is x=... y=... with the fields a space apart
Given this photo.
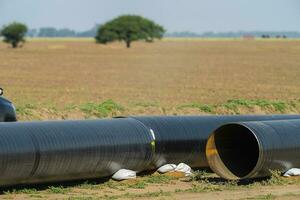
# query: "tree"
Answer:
x=14 y=34
x=32 y=33
x=129 y=28
x=53 y=32
x=47 y=32
x=89 y=33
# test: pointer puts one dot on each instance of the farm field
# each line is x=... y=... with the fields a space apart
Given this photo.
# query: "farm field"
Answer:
x=77 y=79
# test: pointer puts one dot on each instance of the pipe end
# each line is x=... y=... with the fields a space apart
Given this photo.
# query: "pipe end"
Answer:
x=232 y=151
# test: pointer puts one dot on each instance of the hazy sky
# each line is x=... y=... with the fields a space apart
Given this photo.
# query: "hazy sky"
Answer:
x=176 y=15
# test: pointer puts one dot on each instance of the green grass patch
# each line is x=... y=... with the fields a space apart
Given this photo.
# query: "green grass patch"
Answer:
x=145 y=104
x=116 y=185
x=201 y=107
x=203 y=181
x=235 y=104
x=261 y=197
x=110 y=108
x=277 y=179
x=139 y=185
x=22 y=191
x=279 y=106
x=58 y=190
x=104 y=109
x=159 y=179
x=89 y=185
x=25 y=109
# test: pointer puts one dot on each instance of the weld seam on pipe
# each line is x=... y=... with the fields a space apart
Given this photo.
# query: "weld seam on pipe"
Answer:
x=184 y=138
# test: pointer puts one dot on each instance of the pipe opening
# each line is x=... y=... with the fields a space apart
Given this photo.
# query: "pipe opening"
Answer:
x=237 y=149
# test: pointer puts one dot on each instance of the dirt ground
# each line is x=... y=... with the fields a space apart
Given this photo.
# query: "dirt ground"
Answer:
x=58 y=78
x=169 y=72
x=164 y=187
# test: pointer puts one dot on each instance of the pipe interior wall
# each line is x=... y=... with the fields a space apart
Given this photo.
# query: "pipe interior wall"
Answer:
x=253 y=149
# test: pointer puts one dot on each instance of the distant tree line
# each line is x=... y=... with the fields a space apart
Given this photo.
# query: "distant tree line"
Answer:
x=64 y=32
x=239 y=34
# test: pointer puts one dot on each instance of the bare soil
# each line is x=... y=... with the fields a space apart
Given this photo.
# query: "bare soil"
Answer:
x=168 y=72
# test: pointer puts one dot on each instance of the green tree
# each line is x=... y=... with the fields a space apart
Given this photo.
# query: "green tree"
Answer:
x=129 y=28
x=14 y=34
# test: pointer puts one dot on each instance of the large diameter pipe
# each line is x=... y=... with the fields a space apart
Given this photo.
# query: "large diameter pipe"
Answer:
x=32 y=152
x=183 y=138
x=7 y=111
x=253 y=149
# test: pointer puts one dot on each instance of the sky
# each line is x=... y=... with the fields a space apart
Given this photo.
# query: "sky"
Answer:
x=175 y=15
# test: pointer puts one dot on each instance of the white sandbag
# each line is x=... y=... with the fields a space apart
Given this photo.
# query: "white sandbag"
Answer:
x=292 y=172
x=184 y=168
x=124 y=174
x=167 y=168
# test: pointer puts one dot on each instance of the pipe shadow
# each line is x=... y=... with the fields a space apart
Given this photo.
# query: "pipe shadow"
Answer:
x=221 y=181
x=63 y=184
x=45 y=186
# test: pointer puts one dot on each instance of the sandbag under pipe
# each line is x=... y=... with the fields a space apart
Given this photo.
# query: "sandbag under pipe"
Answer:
x=253 y=149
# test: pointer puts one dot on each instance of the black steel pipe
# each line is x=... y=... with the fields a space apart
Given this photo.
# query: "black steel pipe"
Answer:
x=183 y=138
x=252 y=149
x=32 y=152
x=7 y=111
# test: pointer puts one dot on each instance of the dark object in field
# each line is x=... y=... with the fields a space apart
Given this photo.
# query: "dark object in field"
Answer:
x=7 y=110
x=183 y=138
x=33 y=152
x=251 y=149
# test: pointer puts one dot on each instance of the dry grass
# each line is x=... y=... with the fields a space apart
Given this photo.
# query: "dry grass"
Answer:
x=169 y=73
x=202 y=186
